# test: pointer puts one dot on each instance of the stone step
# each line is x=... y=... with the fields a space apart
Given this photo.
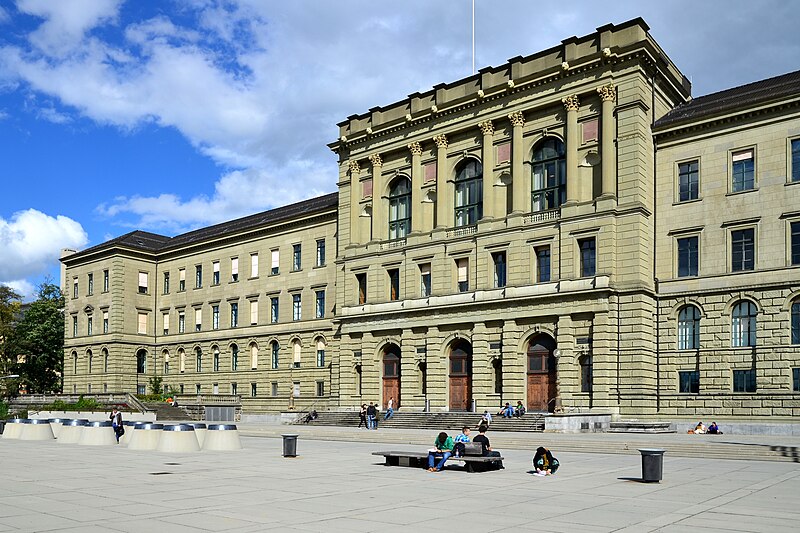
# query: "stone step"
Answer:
x=165 y=411
x=530 y=422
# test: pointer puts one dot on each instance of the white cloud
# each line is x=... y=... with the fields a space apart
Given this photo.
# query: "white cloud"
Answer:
x=23 y=287
x=32 y=241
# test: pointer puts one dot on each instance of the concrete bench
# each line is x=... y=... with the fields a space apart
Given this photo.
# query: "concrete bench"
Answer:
x=420 y=460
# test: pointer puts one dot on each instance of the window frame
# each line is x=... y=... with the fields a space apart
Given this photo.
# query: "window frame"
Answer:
x=234 y=306
x=393 y=274
x=274 y=309
x=741 y=337
x=792 y=160
x=319 y=303
x=557 y=192
x=688 y=382
x=687 y=237
x=733 y=170
x=582 y=263
x=499 y=269
x=361 y=288
x=297 y=257
x=399 y=227
x=679 y=199
x=741 y=265
x=744 y=380
x=297 y=307
x=794 y=322
x=537 y=250
x=688 y=328
x=320 y=257
x=471 y=208
x=793 y=240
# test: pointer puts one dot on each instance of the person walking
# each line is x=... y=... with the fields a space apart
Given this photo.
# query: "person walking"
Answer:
x=389 y=409
x=371 y=416
x=362 y=416
x=116 y=423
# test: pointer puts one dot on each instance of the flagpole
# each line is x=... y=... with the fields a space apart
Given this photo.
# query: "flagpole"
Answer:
x=473 y=36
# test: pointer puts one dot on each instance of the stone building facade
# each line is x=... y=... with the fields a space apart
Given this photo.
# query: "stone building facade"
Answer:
x=570 y=229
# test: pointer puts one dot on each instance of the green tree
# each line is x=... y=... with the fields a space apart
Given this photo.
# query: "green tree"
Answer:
x=10 y=303
x=39 y=336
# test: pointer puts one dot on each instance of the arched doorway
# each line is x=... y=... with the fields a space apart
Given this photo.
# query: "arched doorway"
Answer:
x=541 y=373
x=460 y=376
x=391 y=375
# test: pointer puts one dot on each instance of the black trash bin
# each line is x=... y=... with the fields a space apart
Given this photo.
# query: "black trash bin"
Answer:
x=652 y=464
x=289 y=445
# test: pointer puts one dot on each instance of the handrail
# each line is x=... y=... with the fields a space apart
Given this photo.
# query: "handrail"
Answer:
x=300 y=414
x=134 y=402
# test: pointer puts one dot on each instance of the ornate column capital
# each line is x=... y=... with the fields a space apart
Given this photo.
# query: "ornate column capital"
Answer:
x=486 y=127
x=354 y=167
x=376 y=160
x=607 y=92
x=571 y=102
x=415 y=148
x=441 y=140
x=517 y=118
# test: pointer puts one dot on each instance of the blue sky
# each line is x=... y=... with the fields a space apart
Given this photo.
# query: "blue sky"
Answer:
x=169 y=115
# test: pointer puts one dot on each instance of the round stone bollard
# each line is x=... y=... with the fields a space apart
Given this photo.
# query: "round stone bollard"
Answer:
x=178 y=438
x=199 y=431
x=36 y=429
x=71 y=431
x=145 y=436
x=98 y=433
x=129 y=427
x=56 y=424
x=13 y=428
x=652 y=464
x=222 y=438
x=289 y=445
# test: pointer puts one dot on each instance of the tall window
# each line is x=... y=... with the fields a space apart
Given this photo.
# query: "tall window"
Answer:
x=105 y=360
x=499 y=262
x=234 y=269
x=215 y=273
x=198 y=276
x=90 y=282
x=297 y=259
x=795 y=160
x=296 y=354
x=587 y=373
x=743 y=250
x=276 y=262
x=273 y=310
x=744 y=380
x=75 y=288
x=141 y=362
x=320 y=252
x=689 y=382
x=796 y=379
x=469 y=193
x=275 y=350
x=254 y=265
x=253 y=356
x=182 y=360
x=216 y=359
x=105 y=281
x=689 y=328
x=198 y=360
x=743 y=324
x=588 y=257
x=795 y=237
x=320 y=305
x=394 y=283
x=234 y=314
x=181 y=280
x=142 y=325
x=234 y=357
x=296 y=307
x=198 y=319
x=688 y=181
x=74 y=326
x=320 y=353
x=425 y=279
x=542 y=264
x=105 y=323
x=549 y=178
x=688 y=256
x=165 y=355
x=181 y=322
x=253 y=390
x=166 y=282
x=400 y=208
x=361 y=281
x=743 y=178
x=215 y=316
x=462 y=274
x=90 y=357
x=89 y=325
x=796 y=322
x=143 y=282
x=253 y=312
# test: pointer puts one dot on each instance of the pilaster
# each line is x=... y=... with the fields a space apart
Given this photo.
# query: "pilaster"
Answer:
x=487 y=128
x=417 y=222
x=571 y=104
x=444 y=197
x=521 y=197
x=355 y=199
x=608 y=94
x=380 y=228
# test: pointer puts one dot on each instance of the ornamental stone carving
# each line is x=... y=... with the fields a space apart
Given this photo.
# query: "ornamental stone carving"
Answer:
x=486 y=127
x=571 y=102
x=415 y=148
x=376 y=160
x=607 y=92
x=517 y=118
x=354 y=167
x=441 y=141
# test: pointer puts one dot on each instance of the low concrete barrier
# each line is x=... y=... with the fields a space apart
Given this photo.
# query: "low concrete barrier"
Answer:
x=222 y=437
x=199 y=431
x=129 y=428
x=145 y=436
x=36 y=430
x=56 y=424
x=13 y=428
x=71 y=431
x=98 y=433
x=178 y=438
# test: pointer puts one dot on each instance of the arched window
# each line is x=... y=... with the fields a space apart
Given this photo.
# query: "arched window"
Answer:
x=234 y=357
x=182 y=360
x=105 y=360
x=275 y=348
x=75 y=363
x=400 y=208
x=253 y=356
x=796 y=322
x=743 y=324
x=199 y=360
x=165 y=355
x=215 y=363
x=296 y=353
x=689 y=328
x=549 y=179
x=90 y=358
x=141 y=362
x=586 y=373
x=320 y=352
x=469 y=192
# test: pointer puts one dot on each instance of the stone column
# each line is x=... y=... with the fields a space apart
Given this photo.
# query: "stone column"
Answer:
x=444 y=197
x=608 y=94
x=571 y=105
x=487 y=128
x=521 y=197
x=380 y=228
x=355 y=199
x=416 y=187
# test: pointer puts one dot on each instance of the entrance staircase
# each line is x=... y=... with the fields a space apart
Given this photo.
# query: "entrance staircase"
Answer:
x=450 y=421
x=165 y=411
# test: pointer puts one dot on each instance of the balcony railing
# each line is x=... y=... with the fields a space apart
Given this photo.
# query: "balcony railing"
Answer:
x=396 y=243
x=542 y=216
x=462 y=231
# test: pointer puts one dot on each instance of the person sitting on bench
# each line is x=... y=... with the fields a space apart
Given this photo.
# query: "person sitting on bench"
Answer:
x=460 y=440
x=442 y=447
x=487 y=450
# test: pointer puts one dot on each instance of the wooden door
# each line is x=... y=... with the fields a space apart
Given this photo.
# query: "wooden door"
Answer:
x=541 y=375
x=461 y=378
x=391 y=376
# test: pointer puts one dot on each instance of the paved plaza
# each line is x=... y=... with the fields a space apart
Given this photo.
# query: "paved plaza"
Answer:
x=339 y=486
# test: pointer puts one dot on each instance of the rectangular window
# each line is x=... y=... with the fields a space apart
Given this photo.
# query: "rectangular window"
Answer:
x=234 y=314
x=215 y=273
x=795 y=161
x=142 y=282
x=320 y=252
x=361 y=280
x=142 y=324
x=743 y=250
x=198 y=319
x=75 y=288
x=253 y=312
x=462 y=274
x=744 y=380
x=215 y=316
x=88 y=325
x=198 y=276
x=743 y=177
x=588 y=257
x=297 y=263
x=499 y=261
x=253 y=265
x=197 y=389
x=234 y=358
x=276 y=350
x=394 y=284
x=253 y=390
x=105 y=322
x=795 y=237
x=296 y=389
x=276 y=262
x=215 y=361
x=425 y=279
x=181 y=280
x=542 y=264
x=321 y=356
x=90 y=282
x=165 y=323
x=181 y=322
x=688 y=181
x=105 y=281
x=234 y=269
x=166 y=282
x=74 y=326
x=688 y=256
x=689 y=382
x=274 y=388
x=320 y=388
x=273 y=310
x=166 y=371
x=320 y=304
x=296 y=307
x=796 y=379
